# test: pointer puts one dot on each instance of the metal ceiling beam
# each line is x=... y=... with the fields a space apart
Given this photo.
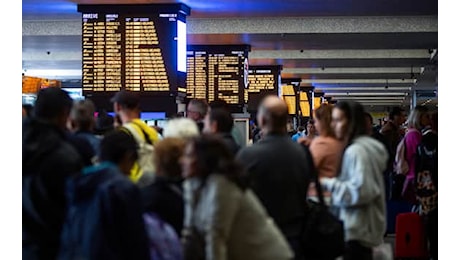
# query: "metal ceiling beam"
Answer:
x=267 y=25
x=369 y=99
x=379 y=94
x=367 y=70
x=341 y=54
x=277 y=54
x=345 y=89
x=358 y=81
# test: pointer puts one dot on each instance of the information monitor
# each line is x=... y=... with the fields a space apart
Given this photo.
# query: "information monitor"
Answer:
x=263 y=81
x=218 y=72
x=139 y=48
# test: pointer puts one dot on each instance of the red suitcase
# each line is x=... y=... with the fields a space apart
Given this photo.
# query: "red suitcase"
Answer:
x=410 y=240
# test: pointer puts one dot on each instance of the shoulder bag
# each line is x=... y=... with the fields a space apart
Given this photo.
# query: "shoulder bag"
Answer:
x=323 y=235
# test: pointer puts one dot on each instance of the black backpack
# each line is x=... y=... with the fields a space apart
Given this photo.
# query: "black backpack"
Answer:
x=426 y=174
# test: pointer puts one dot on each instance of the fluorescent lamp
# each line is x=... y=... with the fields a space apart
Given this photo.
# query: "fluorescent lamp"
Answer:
x=352 y=81
x=181 y=46
x=366 y=94
x=362 y=88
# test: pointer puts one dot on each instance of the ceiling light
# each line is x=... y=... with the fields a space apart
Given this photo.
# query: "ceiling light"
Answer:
x=361 y=81
x=366 y=94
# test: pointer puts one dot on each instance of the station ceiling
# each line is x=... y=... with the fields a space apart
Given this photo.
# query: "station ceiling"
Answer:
x=375 y=51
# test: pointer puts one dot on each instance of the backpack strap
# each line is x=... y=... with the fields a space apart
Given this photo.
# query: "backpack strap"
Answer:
x=146 y=136
x=314 y=175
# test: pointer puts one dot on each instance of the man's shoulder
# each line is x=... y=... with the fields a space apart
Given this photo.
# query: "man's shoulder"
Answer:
x=388 y=128
x=141 y=127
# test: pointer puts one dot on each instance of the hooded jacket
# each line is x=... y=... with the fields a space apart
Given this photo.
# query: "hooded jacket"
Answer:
x=104 y=217
x=359 y=191
x=48 y=160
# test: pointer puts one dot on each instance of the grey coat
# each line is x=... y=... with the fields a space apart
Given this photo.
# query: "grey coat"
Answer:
x=233 y=222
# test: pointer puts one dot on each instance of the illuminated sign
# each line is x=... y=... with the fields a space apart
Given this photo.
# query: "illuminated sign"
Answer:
x=262 y=81
x=217 y=72
x=137 y=47
x=133 y=47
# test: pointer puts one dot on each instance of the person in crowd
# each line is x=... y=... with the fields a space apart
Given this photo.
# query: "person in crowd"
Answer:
x=196 y=110
x=164 y=195
x=48 y=160
x=358 y=190
x=392 y=133
x=277 y=171
x=82 y=122
x=181 y=128
x=300 y=133
x=373 y=132
x=311 y=134
x=235 y=132
x=220 y=122
x=418 y=119
x=290 y=129
x=27 y=110
x=427 y=164
x=222 y=209
x=126 y=105
x=104 y=219
x=326 y=150
x=104 y=123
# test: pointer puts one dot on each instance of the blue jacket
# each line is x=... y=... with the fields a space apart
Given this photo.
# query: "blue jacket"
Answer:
x=104 y=217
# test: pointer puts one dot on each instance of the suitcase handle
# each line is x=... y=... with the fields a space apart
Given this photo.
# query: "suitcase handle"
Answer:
x=407 y=238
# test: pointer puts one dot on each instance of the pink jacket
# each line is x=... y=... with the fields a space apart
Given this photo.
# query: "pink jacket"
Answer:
x=412 y=138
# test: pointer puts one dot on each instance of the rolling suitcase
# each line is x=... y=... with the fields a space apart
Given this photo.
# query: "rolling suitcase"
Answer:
x=410 y=240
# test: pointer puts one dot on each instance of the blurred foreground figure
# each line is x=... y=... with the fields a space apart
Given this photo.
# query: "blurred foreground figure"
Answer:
x=224 y=219
x=48 y=160
x=104 y=218
x=359 y=189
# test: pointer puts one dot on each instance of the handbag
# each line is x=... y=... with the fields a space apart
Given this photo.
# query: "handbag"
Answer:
x=193 y=242
x=323 y=235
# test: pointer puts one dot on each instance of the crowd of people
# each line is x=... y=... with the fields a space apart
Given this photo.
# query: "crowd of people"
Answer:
x=118 y=189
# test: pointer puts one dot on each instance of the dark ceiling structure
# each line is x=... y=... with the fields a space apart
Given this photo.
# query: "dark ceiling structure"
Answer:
x=379 y=52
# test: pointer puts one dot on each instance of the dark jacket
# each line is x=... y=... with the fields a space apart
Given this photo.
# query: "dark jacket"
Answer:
x=392 y=136
x=47 y=162
x=83 y=147
x=92 y=139
x=104 y=218
x=278 y=173
x=164 y=197
x=230 y=142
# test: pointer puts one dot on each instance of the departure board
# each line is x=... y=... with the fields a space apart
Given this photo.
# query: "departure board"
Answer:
x=289 y=92
x=218 y=72
x=133 y=47
x=263 y=81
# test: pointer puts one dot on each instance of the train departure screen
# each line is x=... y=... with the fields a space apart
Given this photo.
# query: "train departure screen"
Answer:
x=217 y=72
x=263 y=81
x=133 y=47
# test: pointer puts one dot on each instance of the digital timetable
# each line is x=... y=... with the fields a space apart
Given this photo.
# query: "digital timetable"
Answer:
x=136 y=47
x=262 y=81
x=218 y=72
x=139 y=48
